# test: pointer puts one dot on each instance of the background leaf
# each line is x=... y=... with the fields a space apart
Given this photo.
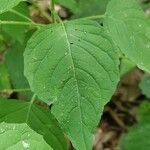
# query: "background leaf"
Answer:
x=125 y=66
x=130 y=30
x=145 y=85
x=39 y=119
x=15 y=65
x=83 y=8
x=138 y=136
x=7 y=5
x=20 y=137
x=16 y=32
x=4 y=78
x=71 y=75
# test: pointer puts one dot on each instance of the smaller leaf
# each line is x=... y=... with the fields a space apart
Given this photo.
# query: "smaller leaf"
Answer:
x=129 y=28
x=20 y=137
x=145 y=85
x=16 y=32
x=14 y=63
x=39 y=119
x=8 y=4
x=138 y=136
x=83 y=8
x=15 y=66
x=2 y=43
x=4 y=78
x=145 y=4
x=125 y=66
x=144 y=112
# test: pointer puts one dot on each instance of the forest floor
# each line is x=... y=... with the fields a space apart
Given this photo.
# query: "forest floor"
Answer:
x=120 y=113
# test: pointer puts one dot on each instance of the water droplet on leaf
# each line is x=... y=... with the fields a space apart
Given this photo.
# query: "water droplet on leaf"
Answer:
x=25 y=144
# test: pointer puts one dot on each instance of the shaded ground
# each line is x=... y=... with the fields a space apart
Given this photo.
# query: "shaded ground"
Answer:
x=120 y=112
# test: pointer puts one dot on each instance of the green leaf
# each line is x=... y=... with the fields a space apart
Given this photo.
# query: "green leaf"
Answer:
x=4 y=78
x=14 y=62
x=39 y=119
x=83 y=8
x=16 y=32
x=139 y=135
x=125 y=66
x=70 y=4
x=130 y=30
x=20 y=137
x=2 y=43
x=137 y=138
x=143 y=113
x=74 y=66
x=8 y=4
x=145 y=85
x=15 y=66
x=144 y=4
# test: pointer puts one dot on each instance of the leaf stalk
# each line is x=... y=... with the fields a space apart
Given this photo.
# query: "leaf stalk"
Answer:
x=21 y=23
x=52 y=9
x=14 y=90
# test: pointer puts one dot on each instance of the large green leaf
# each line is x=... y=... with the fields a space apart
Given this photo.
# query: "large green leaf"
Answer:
x=6 y=5
x=20 y=137
x=139 y=135
x=74 y=66
x=39 y=119
x=130 y=30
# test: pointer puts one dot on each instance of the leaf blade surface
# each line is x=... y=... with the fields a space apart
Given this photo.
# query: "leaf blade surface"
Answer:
x=67 y=64
x=39 y=119
x=129 y=28
x=20 y=136
x=7 y=5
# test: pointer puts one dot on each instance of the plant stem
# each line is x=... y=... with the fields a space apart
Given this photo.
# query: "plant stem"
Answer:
x=21 y=23
x=21 y=15
x=30 y=106
x=14 y=90
x=52 y=9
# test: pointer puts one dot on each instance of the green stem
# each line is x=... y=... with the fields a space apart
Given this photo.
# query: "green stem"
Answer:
x=30 y=106
x=21 y=15
x=21 y=23
x=52 y=9
x=14 y=90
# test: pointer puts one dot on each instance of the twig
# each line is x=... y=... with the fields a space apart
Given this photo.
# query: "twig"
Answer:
x=14 y=90
x=52 y=9
x=21 y=23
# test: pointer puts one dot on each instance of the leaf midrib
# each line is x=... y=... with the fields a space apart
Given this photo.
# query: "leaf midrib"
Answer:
x=77 y=86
